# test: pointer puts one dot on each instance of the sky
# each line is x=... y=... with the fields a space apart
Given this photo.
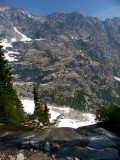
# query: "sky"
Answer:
x=95 y=8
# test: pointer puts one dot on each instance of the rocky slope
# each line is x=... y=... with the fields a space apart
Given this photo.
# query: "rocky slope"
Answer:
x=75 y=58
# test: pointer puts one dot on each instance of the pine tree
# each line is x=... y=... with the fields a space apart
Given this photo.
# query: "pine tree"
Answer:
x=41 y=110
x=35 y=93
x=46 y=112
x=38 y=111
x=11 y=109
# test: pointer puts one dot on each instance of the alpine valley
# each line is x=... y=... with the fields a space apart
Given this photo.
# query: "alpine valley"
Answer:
x=74 y=58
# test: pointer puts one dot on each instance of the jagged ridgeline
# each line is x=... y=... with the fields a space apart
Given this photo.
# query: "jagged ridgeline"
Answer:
x=75 y=58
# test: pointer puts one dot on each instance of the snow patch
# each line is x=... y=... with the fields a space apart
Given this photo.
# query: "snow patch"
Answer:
x=11 y=56
x=14 y=40
x=5 y=44
x=4 y=8
x=7 y=57
x=23 y=83
x=28 y=14
x=84 y=39
x=82 y=54
x=23 y=37
x=74 y=37
x=63 y=109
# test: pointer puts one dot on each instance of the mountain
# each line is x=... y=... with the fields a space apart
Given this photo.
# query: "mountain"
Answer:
x=75 y=58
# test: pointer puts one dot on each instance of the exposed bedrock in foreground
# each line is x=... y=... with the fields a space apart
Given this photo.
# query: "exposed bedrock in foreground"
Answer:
x=90 y=142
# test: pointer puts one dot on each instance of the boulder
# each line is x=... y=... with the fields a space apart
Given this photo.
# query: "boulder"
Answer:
x=34 y=144
x=72 y=152
x=103 y=154
x=20 y=156
x=104 y=132
x=47 y=147
x=101 y=142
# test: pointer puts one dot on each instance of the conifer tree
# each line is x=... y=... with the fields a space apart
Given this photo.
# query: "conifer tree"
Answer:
x=11 y=109
x=35 y=94
x=46 y=112
x=41 y=110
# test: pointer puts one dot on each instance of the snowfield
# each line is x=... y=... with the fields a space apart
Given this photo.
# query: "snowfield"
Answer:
x=69 y=116
x=28 y=105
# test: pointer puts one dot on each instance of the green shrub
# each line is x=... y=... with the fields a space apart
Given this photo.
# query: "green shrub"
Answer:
x=109 y=113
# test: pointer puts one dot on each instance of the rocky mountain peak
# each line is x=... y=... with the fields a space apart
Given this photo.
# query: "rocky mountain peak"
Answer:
x=4 y=7
x=76 y=57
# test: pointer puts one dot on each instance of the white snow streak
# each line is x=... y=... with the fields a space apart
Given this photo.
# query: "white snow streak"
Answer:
x=116 y=78
x=40 y=39
x=23 y=37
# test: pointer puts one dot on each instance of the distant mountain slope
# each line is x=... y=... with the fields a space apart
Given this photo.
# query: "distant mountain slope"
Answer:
x=77 y=58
